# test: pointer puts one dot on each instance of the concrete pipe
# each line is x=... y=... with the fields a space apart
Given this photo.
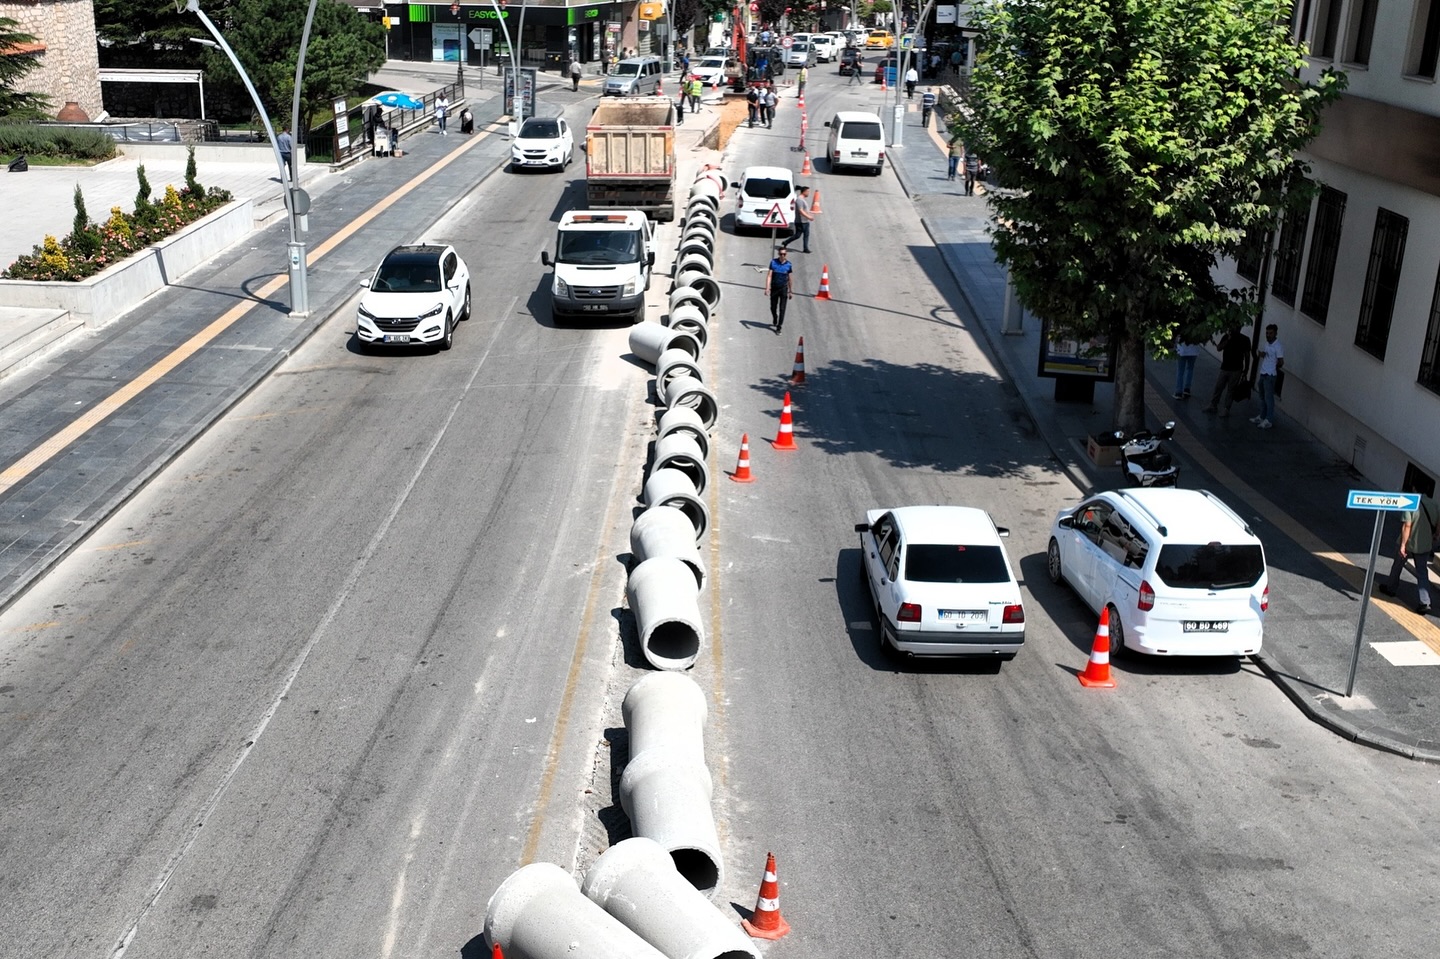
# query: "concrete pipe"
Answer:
x=697 y=247
x=679 y=452
x=700 y=231
x=540 y=913
x=688 y=294
x=666 y=604
x=703 y=283
x=673 y=488
x=706 y=188
x=649 y=340
x=712 y=174
x=702 y=210
x=665 y=531
x=697 y=263
x=666 y=793
x=666 y=711
x=636 y=882
x=686 y=422
x=688 y=391
x=689 y=318
x=672 y=365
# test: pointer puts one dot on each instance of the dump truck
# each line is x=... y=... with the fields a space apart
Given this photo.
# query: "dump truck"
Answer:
x=630 y=155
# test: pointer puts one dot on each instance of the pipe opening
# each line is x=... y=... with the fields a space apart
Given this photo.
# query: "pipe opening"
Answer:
x=693 y=509
x=674 y=642
x=698 y=868
x=701 y=403
x=688 y=465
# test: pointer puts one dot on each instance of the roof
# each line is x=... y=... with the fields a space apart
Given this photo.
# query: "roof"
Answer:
x=856 y=116
x=1190 y=515
x=768 y=172
x=945 y=524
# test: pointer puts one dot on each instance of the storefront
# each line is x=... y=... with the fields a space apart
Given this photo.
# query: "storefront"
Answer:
x=472 y=33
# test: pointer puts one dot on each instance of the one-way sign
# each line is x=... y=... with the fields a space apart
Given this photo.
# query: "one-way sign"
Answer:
x=1389 y=502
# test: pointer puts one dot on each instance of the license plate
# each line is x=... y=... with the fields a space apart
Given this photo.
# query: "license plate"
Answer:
x=397 y=337
x=1205 y=626
x=965 y=615
x=595 y=307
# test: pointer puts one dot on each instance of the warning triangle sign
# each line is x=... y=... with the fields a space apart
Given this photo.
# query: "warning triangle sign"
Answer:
x=776 y=217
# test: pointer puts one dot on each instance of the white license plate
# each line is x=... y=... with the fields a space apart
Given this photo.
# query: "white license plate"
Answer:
x=965 y=615
x=1205 y=626
x=397 y=337
x=595 y=307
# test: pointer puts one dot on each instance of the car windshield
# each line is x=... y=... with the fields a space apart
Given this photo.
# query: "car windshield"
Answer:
x=766 y=188
x=537 y=129
x=627 y=69
x=599 y=247
x=800 y=47
x=1211 y=566
x=861 y=130
x=408 y=273
x=932 y=563
x=712 y=63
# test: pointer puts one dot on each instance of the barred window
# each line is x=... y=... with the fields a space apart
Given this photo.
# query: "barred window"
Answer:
x=1287 y=254
x=1430 y=356
x=1361 y=31
x=1327 y=29
x=1324 y=248
x=1382 y=279
x=1251 y=252
x=1424 y=40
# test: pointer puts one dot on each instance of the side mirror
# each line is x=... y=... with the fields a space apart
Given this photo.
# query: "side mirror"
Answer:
x=862 y=527
x=1066 y=522
x=366 y=281
x=545 y=258
x=650 y=258
x=1002 y=530
x=827 y=123
x=1168 y=431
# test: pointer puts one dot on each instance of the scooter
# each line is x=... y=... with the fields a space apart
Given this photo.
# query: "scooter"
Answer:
x=1142 y=459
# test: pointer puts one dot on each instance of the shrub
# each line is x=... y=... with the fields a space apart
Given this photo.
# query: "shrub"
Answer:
x=192 y=185
x=37 y=139
x=84 y=240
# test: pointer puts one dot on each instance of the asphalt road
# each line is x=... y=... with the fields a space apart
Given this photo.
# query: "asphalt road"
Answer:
x=358 y=653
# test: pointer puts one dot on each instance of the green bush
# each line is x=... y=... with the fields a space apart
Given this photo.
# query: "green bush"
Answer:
x=41 y=140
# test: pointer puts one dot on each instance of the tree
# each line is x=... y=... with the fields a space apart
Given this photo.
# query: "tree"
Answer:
x=149 y=33
x=1141 y=141
x=15 y=62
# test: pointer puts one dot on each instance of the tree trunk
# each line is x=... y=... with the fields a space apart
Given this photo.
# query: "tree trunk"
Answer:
x=1129 y=414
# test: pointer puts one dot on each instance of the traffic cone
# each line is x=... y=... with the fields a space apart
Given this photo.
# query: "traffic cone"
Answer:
x=767 y=923
x=824 y=293
x=785 y=440
x=883 y=84
x=801 y=104
x=495 y=952
x=742 y=466
x=815 y=207
x=797 y=376
x=805 y=169
x=1097 y=671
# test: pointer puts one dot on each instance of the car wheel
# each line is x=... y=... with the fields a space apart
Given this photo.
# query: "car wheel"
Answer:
x=448 y=340
x=465 y=310
x=1117 y=634
x=1052 y=562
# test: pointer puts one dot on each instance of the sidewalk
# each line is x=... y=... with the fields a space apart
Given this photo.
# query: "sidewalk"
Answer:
x=1284 y=481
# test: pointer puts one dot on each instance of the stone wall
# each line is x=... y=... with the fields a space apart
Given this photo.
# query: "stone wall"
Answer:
x=70 y=66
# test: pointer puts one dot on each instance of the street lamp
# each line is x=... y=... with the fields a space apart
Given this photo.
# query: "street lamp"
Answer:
x=459 y=53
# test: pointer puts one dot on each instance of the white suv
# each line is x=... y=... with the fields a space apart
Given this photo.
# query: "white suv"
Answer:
x=1180 y=572
x=763 y=189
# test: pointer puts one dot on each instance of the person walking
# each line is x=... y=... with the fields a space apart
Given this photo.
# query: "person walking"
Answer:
x=1185 y=356
x=957 y=153
x=857 y=70
x=1271 y=360
x=770 y=101
x=1234 y=361
x=800 y=79
x=777 y=287
x=752 y=105
x=1418 y=531
x=911 y=78
x=286 y=145
x=575 y=72
x=972 y=171
x=696 y=89
x=803 y=216
x=442 y=107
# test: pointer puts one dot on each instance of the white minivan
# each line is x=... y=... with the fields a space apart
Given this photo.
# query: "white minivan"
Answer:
x=856 y=140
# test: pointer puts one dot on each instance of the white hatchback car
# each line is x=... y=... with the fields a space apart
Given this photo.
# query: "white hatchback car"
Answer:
x=544 y=142
x=941 y=582
x=710 y=71
x=760 y=191
x=1181 y=573
x=824 y=45
x=416 y=296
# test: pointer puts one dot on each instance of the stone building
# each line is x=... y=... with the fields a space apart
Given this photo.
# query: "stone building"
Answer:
x=64 y=31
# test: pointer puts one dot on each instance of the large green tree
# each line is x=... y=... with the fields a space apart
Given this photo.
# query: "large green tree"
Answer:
x=1139 y=142
x=152 y=33
x=15 y=64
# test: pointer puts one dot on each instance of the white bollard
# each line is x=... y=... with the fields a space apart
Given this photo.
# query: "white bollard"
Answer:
x=540 y=913
x=666 y=603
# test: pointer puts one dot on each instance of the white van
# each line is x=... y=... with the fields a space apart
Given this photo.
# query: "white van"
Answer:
x=856 y=140
x=602 y=264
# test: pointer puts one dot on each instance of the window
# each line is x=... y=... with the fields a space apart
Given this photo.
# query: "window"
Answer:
x=1324 y=247
x=1327 y=27
x=1211 y=566
x=1251 y=252
x=931 y=563
x=1424 y=40
x=1382 y=277
x=1287 y=255
x=1299 y=16
x=1430 y=356
x=1361 y=32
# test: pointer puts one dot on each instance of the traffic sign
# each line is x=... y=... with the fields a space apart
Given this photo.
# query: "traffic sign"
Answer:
x=787 y=42
x=1389 y=502
x=775 y=218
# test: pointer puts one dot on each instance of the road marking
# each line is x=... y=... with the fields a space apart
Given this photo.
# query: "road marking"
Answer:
x=112 y=404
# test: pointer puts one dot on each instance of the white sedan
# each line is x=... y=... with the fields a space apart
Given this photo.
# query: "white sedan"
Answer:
x=416 y=296
x=941 y=582
x=544 y=142
x=709 y=71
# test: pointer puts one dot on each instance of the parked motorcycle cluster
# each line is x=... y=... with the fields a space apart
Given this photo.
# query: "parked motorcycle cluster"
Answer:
x=1144 y=461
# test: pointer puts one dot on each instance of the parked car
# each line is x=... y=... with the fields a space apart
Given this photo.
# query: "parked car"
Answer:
x=824 y=46
x=887 y=69
x=800 y=54
x=850 y=60
x=760 y=189
x=941 y=582
x=710 y=70
x=417 y=295
x=880 y=39
x=544 y=142
x=1181 y=573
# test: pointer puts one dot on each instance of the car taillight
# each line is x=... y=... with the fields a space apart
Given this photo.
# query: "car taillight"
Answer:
x=1015 y=613
x=1147 y=595
x=1265 y=599
x=882 y=156
x=909 y=613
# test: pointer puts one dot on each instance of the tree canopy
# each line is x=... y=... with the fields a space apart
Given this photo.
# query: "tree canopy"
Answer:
x=1138 y=142
x=15 y=63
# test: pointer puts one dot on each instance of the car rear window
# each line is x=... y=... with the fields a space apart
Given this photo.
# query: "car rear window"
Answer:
x=1211 y=566
x=863 y=130
x=766 y=188
x=930 y=563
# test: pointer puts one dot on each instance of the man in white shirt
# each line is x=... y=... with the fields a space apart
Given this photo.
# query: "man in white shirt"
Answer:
x=911 y=78
x=1271 y=360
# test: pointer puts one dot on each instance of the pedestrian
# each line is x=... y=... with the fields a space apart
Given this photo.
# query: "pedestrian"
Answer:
x=467 y=121
x=803 y=216
x=684 y=64
x=800 y=79
x=286 y=145
x=972 y=171
x=857 y=71
x=927 y=107
x=575 y=72
x=772 y=100
x=935 y=63
x=956 y=58
x=442 y=107
x=1185 y=356
x=911 y=78
x=752 y=104
x=1234 y=361
x=957 y=153
x=695 y=89
x=680 y=108
x=1270 y=362
x=394 y=134
x=1419 y=529
x=777 y=287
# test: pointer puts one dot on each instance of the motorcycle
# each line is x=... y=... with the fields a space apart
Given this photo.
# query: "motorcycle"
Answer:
x=1144 y=461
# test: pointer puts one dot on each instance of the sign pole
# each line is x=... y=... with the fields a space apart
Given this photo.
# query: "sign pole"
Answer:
x=1381 y=503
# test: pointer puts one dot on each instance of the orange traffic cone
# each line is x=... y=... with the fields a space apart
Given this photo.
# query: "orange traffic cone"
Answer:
x=824 y=293
x=495 y=952
x=805 y=169
x=767 y=923
x=815 y=207
x=801 y=104
x=1097 y=671
x=882 y=80
x=742 y=466
x=797 y=376
x=786 y=438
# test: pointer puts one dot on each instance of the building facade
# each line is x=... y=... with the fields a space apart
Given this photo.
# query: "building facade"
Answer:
x=69 y=59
